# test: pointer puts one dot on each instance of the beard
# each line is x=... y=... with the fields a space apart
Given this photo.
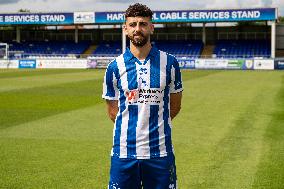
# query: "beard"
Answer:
x=140 y=41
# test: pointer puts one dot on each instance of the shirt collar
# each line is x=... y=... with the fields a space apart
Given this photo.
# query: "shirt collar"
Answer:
x=128 y=54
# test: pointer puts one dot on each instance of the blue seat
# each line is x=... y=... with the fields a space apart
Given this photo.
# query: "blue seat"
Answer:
x=177 y=48
x=242 y=48
x=50 y=47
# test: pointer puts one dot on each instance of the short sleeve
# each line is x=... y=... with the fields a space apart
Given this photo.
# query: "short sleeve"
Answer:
x=110 y=90
x=176 y=79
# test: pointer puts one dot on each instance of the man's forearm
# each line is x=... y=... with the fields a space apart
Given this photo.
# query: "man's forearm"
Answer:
x=175 y=104
x=112 y=109
x=112 y=115
x=174 y=112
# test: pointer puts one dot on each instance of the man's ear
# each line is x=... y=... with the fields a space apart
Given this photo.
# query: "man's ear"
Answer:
x=124 y=27
x=152 y=28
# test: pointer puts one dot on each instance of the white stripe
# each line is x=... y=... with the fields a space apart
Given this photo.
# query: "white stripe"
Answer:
x=142 y=132
x=142 y=129
x=163 y=78
x=173 y=79
x=172 y=89
x=104 y=85
x=145 y=77
x=114 y=81
x=113 y=134
x=125 y=114
x=163 y=68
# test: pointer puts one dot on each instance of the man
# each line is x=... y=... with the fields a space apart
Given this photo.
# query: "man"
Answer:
x=143 y=91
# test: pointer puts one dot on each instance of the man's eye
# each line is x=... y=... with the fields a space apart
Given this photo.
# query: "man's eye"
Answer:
x=132 y=24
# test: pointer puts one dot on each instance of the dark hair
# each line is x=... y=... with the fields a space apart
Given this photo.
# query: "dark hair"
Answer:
x=138 y=10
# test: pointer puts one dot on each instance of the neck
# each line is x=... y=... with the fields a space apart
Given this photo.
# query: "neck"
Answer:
x=141 y=52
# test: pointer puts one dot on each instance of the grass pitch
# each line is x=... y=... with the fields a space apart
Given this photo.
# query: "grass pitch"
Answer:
x=54 y=130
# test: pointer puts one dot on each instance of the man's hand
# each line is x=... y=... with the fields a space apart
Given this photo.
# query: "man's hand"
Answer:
x=112 y=109
x=175 y=103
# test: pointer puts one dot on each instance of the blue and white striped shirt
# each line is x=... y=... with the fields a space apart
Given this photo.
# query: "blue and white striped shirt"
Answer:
x=142 y=128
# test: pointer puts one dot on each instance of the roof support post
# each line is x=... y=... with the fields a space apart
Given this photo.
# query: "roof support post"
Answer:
x=273 y=34
x=18 y=34
x=204 y=33
x=76 y=34
x=123 y=41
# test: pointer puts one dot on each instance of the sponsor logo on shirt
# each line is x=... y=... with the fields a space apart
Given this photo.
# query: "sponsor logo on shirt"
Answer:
x=131 y=95
x=145 y=96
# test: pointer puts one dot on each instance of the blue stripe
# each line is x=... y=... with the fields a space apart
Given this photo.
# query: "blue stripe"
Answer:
x=117 y=134
x=132 y=109
x=131 y=74
x=166 y=114
x=155 y=71
x=167 y=128
x=131 y=131
x=154 y=131
x=109 y=79
x=178 y=83
x=118 y=123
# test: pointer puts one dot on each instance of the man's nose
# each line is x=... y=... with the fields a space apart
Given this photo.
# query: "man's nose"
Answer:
x=138 y=27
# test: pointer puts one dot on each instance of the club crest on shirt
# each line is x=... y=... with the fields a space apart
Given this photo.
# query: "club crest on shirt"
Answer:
x=143 y=71
x=143 y=83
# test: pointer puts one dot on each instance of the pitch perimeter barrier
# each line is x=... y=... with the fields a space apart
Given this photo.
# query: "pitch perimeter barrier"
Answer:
x=228 y=64
x=279 y=63
x=264 y=64
x=13 y=64
x=185 y=63
x=29 y=63
x=62 y=63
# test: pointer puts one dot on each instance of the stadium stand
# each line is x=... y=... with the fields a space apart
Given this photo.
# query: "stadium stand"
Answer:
x=108 y=48
x=242 y=49
x=185 y=48
x=49 y=48
x=191 y=49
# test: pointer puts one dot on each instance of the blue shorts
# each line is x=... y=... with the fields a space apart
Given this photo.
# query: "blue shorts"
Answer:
x=157 y=173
